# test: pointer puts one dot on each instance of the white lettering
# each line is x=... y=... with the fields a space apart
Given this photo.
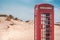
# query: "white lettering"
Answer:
x=45 y=7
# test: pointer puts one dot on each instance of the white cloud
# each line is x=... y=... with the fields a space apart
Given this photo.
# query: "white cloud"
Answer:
x=57 y=14
x=22 y=12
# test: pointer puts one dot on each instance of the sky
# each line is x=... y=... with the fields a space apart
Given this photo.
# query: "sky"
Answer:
x=24 y=9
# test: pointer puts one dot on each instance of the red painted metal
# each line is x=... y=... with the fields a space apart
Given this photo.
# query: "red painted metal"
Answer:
x=39 y=10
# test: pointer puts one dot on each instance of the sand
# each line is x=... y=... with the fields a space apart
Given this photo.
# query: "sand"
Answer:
x=20 y=30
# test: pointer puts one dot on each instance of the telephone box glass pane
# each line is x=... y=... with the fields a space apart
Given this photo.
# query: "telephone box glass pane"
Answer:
x=45 y=21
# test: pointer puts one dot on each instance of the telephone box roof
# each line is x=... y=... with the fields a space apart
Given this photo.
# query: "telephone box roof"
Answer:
x=45 y=4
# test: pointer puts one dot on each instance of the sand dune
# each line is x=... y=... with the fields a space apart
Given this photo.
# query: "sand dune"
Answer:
x=12 y=29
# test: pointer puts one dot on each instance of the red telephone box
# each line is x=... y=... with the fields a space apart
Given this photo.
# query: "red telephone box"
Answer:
x=44 y=22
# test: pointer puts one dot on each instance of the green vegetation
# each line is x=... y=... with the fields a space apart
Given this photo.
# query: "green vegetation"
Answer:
x=57 y=24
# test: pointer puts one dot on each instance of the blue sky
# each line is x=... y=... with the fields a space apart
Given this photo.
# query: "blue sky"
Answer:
x=24 y=9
